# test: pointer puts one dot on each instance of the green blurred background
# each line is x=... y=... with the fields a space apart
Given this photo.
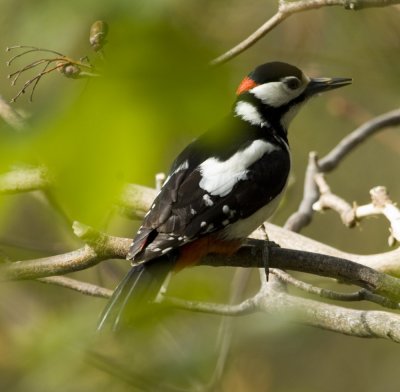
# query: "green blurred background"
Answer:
x=156 y=94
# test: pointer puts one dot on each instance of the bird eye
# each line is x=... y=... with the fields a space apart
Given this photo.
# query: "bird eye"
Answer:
x=292 y=82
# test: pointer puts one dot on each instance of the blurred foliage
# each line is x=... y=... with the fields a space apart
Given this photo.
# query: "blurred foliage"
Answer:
x=155 y=95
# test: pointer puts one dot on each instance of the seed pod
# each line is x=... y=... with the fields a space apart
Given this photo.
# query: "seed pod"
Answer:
x=69 y=70
x=98 y=34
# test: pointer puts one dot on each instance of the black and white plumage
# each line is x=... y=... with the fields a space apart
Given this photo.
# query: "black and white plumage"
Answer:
x=226 y=183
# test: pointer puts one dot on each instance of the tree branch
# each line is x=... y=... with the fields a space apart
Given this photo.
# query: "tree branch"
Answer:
x=288 y=8
x=76 y=285
x=302 y=217
x=24 y=180
x=359 y=295
x=350 y=215
x=246 y=307
x=366 y=324
x=355 y=138
x=100 y=246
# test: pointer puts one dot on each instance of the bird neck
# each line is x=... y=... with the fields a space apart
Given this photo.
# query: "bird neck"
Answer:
x=251 y=110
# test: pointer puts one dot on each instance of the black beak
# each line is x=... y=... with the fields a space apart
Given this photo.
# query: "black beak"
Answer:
x=320 y=85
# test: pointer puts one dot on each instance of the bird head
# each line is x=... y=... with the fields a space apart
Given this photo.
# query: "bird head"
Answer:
x=282 y=88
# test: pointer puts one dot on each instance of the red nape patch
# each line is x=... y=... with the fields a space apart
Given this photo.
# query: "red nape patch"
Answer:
x=246 y=85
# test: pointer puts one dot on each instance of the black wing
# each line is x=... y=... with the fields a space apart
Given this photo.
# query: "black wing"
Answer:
x=183 y=211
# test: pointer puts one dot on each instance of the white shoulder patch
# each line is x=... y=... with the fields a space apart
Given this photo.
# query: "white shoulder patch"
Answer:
x=248 y=112
x=219 y=177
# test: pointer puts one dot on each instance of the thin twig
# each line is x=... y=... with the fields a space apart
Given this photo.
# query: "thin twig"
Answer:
x=302 y=217
x=328 y=200
x=67 y=66
x=288 y=8
x=359 y=295
x=245 y=307
x=9 y=48
x=355 y=138
x=76 y=285
x=381 y=205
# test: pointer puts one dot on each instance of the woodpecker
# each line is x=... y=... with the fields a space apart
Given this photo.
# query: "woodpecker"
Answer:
x=222 y=186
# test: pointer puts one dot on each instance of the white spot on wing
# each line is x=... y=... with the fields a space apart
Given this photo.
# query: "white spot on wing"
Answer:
x=219 y=177
x=166 y=250
x=225 y=209
x=193 y=211
x=225 y=222
x=248 y=112
x=207 y=200
x=203 y=224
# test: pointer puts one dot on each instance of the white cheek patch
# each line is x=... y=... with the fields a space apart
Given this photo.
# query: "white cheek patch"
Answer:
x=275 y=94
x=247 y=112
x=219 y=177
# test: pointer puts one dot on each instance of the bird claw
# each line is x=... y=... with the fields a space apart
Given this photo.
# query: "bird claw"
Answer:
x=265 y=254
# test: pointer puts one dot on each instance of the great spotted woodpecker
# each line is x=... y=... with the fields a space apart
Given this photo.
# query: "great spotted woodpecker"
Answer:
x=222 y=186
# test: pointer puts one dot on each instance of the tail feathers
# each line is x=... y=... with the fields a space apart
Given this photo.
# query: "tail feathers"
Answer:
x=142 y=284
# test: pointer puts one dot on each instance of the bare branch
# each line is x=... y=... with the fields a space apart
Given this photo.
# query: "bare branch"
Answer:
x=359 y=295
x=288 y=8
x=388 y=262
x=381 y=205
x=245 y=307
x=101 y=246
x=24 y=180
x=366 y=324
x=136 y=200
x=76 y=260
x=328 y=200
x=302 y=217
x=76 y=285
x=250 y=256
x=354 y=139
